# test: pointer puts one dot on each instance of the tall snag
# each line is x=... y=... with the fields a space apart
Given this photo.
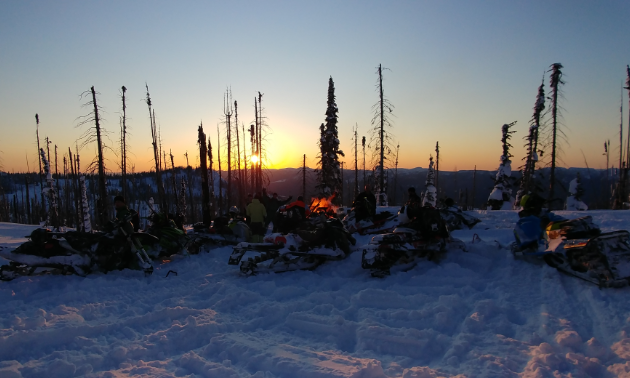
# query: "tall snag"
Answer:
x=220 y=203
x=213 y=198
x=227 y=112
x=555 y=81
x=356 y=162
x=123 y=144
x=203 y=167
x=381 y=139
x=157 y=156
x=95 y=134
x=41 y=182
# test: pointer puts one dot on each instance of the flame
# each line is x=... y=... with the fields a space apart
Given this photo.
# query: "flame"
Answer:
x=324 y=205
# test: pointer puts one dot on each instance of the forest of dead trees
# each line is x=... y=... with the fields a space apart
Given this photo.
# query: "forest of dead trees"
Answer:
x=61 y=189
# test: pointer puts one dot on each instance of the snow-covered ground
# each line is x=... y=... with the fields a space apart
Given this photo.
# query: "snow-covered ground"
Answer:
x=479 y=313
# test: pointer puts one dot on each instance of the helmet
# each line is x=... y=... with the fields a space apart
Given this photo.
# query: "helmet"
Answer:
x=234 y=210
x=402 y=215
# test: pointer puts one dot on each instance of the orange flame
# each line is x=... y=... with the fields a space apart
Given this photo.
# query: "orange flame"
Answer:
x=324 y=205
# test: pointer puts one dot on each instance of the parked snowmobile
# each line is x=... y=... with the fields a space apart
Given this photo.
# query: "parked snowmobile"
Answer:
x=424 y=236
x=75 y=252
x=379 y=223
x=172 y=236
x=578 y=248
x=301 y=249
x=456 y=219
x=223 y=232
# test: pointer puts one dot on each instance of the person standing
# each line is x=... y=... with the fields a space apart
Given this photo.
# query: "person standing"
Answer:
x=273 y=206
x=257 y=213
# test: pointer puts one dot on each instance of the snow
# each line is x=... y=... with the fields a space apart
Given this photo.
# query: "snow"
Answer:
x=479 y=313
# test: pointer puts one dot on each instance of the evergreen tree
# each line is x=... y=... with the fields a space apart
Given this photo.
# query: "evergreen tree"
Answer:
x=329 y=173
x=555 y=82
x=430 y=194
x=500 y=197
x=529 y=180
x=51 y=195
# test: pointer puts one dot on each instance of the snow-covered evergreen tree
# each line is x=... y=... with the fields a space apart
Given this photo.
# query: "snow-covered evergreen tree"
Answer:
x=576 y=191
x=183 y=210
x=430 y=194
x=329 y=172
x=85 y=206
x=501 y=196
x=49 y=191
x=529 y=180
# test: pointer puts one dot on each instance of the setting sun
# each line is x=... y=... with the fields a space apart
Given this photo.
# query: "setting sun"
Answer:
x=254 y=159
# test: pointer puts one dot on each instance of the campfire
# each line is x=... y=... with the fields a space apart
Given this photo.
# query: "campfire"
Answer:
x=324 y=206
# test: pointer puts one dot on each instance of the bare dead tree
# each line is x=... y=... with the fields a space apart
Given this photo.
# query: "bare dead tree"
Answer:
x=157 y=156
x=227 y=113
x=174 y=184
x=220 y=206
x=356 y=161
x=244 y=181
x=212 y=194
x=363 y=144
x=254 y=143
x=203 y=165
x=437 y=168
x=123 y=144
x=238 y=159
x=394 y=197
x=627 y=87
x=381 y=138
x=192 y=217
x=41 y=181
x=96 y=134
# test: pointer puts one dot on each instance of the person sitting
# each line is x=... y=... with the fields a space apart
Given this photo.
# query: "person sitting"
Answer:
x=414 y=203
x=532 y=204
x=364 y=204
x=129 y=218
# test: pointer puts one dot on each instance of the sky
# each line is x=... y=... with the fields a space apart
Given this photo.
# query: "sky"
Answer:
x=456 y=71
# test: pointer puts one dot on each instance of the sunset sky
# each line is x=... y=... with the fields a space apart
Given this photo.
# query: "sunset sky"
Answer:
x=458 y=70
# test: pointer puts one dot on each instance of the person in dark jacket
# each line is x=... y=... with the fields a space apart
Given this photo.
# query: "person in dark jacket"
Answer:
x=414 y=203
x=292 y=215
x=123 y=212
x=364 y=204
x=272 y=207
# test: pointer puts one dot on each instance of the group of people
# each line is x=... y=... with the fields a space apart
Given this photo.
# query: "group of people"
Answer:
x=262 y=210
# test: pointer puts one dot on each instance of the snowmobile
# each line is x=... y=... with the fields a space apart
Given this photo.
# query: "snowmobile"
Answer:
x=300 y=249
x=172 y=236
x=578 y=248
x=424 y=236
x=456 y=219
x=379 y=223
x=224 y=231
x=75 y=252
